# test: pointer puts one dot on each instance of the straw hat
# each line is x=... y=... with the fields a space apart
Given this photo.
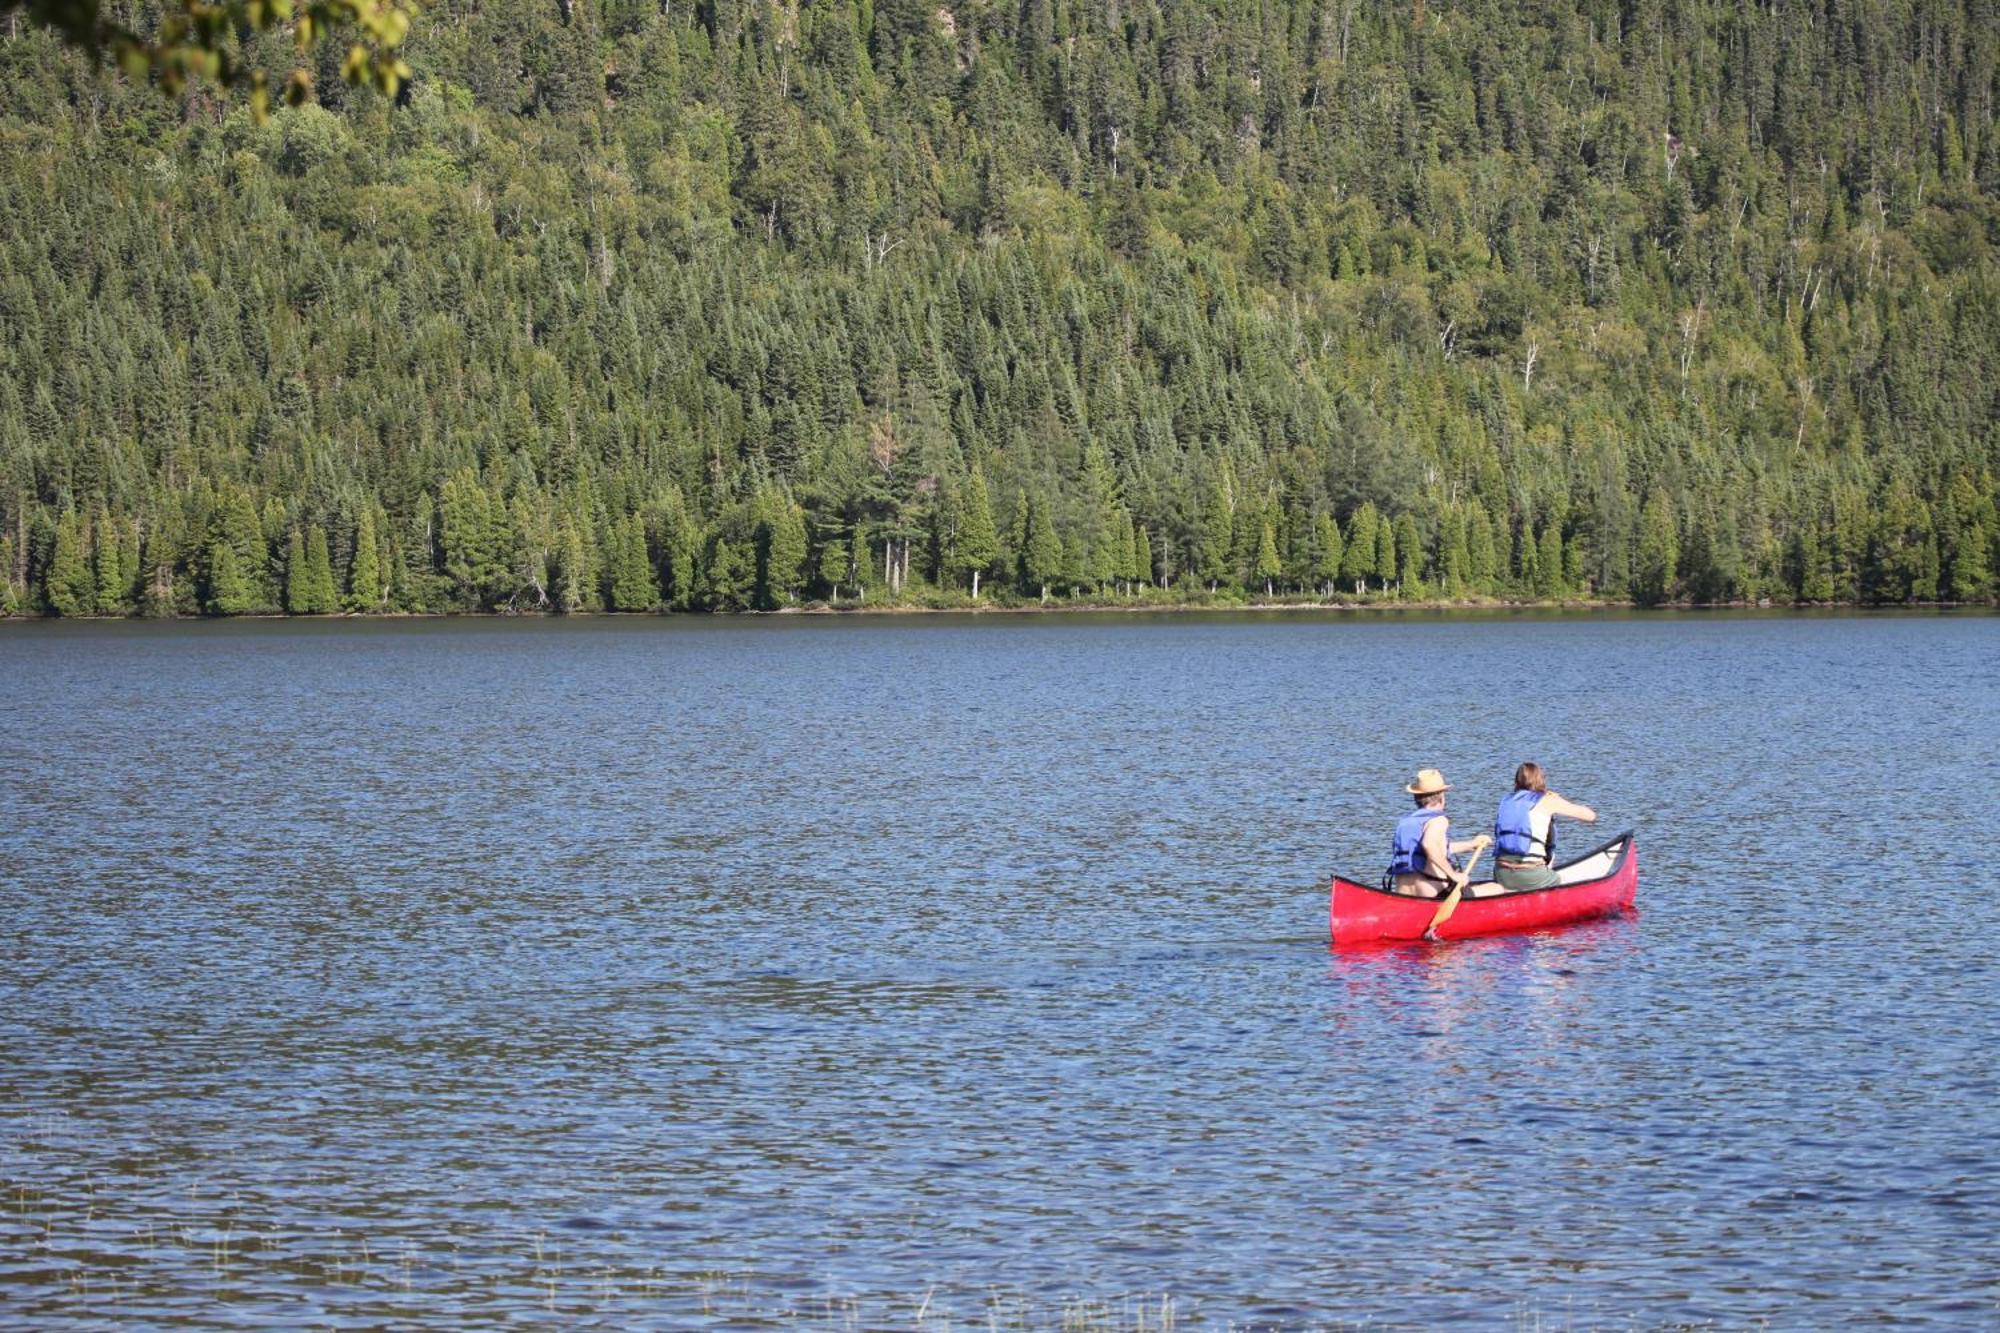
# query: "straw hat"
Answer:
x=1429 y=783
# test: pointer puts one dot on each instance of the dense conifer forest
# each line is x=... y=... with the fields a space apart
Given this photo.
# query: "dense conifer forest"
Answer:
x=636 y=304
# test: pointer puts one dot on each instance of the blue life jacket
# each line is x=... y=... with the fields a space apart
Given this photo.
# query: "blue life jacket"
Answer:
x=1406 y=854
x=1514 y=831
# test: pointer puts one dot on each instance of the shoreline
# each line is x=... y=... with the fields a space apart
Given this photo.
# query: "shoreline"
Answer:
x=823 y=610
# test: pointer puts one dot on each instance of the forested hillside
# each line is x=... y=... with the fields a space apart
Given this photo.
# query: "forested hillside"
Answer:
x=653 y=304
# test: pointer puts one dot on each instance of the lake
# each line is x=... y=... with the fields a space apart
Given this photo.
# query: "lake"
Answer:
x=943 y=972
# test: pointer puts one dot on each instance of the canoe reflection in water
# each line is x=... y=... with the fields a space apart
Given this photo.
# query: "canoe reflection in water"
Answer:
x=1601 y=882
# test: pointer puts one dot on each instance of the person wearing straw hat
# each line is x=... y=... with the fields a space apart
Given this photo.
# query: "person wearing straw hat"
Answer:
x=1420 y=857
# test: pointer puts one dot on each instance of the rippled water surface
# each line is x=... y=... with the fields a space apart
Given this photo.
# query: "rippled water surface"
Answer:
x=945 y=973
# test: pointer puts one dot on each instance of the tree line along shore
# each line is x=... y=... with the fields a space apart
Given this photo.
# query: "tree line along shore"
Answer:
x=735 y=306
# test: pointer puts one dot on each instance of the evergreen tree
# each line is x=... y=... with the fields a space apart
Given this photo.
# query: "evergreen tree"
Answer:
x=1044 y=564
x=69 y=587
x=1267 y=556
x=1549 y=564
x=978 y=539
x=835 y=560
x=1128 y=551
x=10 y=591
x=572 y=578
x=321 y=594
x=632 y=584
x=110 y=562
x=1966 y=533
x=1217 y=529
x=1482 y=557
x=473 y=541
x=364 y=575
x=784 y=535
x=1409 y=555
x=298 y=585
x=858 y=562
x=1327 y=551
x=1358 y=562
x=230 y=589
x=1659 y=551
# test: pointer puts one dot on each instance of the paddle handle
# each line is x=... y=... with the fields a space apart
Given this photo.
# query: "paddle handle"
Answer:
x=1450 y=903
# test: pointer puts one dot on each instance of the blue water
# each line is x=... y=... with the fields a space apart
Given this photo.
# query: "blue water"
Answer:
x=952 y=973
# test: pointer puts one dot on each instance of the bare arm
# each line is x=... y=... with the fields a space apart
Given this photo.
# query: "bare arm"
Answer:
x=1438 y=849
x=1569 y=809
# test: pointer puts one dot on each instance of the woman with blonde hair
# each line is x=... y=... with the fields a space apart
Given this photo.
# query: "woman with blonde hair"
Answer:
x=1524 y=834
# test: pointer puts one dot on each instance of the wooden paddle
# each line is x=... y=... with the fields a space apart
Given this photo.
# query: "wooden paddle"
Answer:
x=1450 y=903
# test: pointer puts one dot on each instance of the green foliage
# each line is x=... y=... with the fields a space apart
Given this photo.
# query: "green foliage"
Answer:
x=70 y=590
x=320 y=594
x=1267 y=555
x=1549 y=563
x=192 y=41
x=113 y=580
x=10 y=584
x=633 y=586
x=1327 y=550
x=1042 y=563
x=1358 y=562
x=1527 y=303
x=978 y=544
x=365 y=585
x=1659 y=552
x=781 y=537
x=1409 y=555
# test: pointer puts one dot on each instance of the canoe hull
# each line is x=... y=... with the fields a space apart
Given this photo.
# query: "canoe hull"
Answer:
x=1364 y=915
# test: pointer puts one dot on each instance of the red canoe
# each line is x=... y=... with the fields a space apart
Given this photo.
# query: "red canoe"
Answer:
x=1602 y=882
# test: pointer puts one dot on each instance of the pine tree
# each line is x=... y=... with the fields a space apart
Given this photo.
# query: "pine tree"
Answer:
x=784 y=551
x=1128 y=550
x=1482 y=558
x=10 y=591
x=322 y=594
x=633 y=587
x=1358 y=563
x=1409 y=555
x=1455 y=564
x=230 y=590
x=1549 y=564
x=858 y=564
x=472 y=538
x=69 y=587
x=732 y=575
x=1965 y=539
x=298 y=594
x=978 y=540
x=1142 y=556
x=1327 y=552
x=110 y=562
x=1044 y=564
x=364 y=574
x=1267 y=556
x=572 y=576
x=1385 y=551
x=835 y=559
x=1217 y=529
x=1659 y=551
